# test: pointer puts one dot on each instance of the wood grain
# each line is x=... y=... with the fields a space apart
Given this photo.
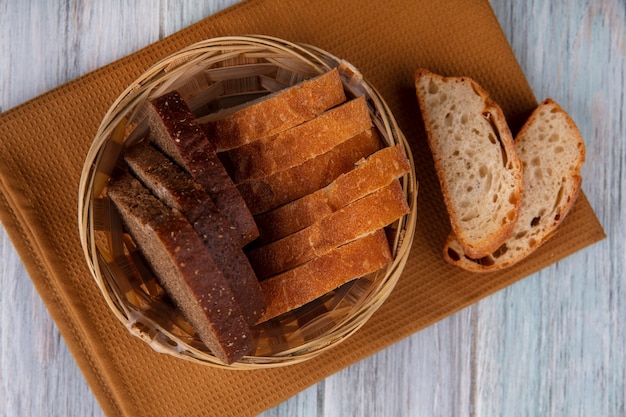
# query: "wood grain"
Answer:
x=552 y=344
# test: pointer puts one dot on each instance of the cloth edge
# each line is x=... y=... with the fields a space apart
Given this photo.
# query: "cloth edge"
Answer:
x=29 y=255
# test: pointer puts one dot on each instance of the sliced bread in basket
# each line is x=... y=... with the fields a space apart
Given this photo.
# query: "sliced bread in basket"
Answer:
x=552 y=153
x=176 y=189
x=285 y=185
x=294 y=146
x=174 y=130
x=272 y=165
x=268 y=115
x=307 y=282
x=184 y=267
x=360 y=218
x=369 y=174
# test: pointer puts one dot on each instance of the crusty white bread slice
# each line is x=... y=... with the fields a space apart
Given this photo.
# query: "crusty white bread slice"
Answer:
x=475 y=159
x=300 y=143
x=322 y=274
x=177 y=190
x=234 y=127
x=174 y=130
x=552 y=153
x=370 y=174
x=263 y=194
x=184 y=267
x=362 y=217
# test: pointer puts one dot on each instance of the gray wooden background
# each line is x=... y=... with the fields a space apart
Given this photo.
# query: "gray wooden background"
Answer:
x=550 y=345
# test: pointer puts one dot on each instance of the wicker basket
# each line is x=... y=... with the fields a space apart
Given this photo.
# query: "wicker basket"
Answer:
x=211 y=75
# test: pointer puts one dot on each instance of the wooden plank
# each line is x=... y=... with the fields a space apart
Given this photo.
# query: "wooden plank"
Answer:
x=553 y=344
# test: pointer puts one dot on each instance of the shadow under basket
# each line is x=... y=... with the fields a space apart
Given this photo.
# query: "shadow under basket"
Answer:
x=211 y=75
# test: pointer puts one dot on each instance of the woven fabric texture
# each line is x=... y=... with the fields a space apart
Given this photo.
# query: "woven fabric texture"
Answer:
x=43 y=144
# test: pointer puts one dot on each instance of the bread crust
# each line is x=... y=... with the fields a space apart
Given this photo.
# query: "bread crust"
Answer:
x=303 y=284
x=552 y=183
x=266 y=193
x=175 y=131
x=370 y=174
x=300 y=143
x=177 y=190
x=272 y=114
x=374 y=211
x=481 y=222
x=184 y=267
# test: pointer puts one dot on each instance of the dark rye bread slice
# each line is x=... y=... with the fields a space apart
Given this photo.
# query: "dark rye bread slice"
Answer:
x=184 y=267
x=175 y=131
x=552 y=153
x=176 y=189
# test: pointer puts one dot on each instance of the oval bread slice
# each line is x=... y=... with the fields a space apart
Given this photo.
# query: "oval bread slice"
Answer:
x=552 y=153
x=475 y=159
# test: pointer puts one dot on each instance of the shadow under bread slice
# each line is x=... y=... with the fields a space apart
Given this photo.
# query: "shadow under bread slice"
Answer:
x=176 y=189
x=184 y=267
x=174 y=130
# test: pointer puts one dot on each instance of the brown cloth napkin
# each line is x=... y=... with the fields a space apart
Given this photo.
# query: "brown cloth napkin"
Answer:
x=43 y=144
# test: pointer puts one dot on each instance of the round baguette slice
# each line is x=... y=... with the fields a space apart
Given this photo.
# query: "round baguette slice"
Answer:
x=552 y=153
x=475 y=159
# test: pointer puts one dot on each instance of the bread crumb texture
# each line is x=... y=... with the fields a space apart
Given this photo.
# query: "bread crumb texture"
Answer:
x=474 y=156
x=552 y=152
